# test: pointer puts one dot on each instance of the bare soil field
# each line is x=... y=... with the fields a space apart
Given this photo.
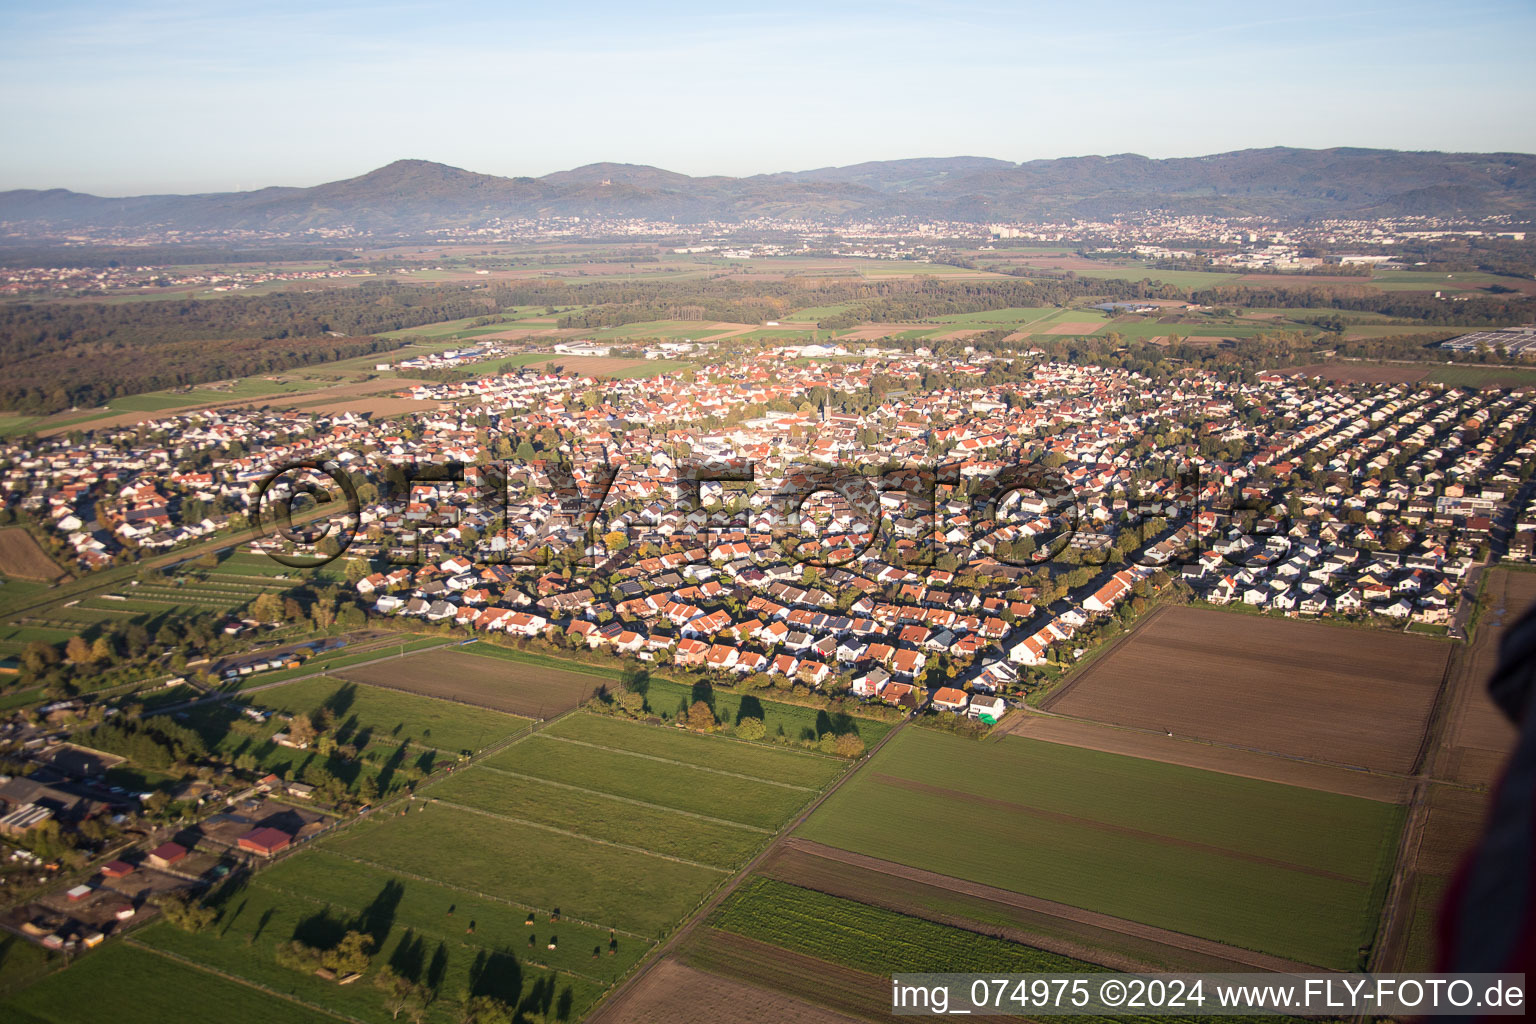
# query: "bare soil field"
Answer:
x=596 y=366
x=842 y=989
x=725 y=329
x=336 y=393
x=679 y=994
x=1075 y=327
x=1361 y=374
x=21 y=557
x=869 y=332
x=1068 y=931
x=1195 y=753
x=1487 y=376
x=1329 y=694
x=522 y=333
x=380 y=407
x=532 y=691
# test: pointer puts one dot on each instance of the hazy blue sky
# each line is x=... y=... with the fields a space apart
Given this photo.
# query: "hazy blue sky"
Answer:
x=124 y=98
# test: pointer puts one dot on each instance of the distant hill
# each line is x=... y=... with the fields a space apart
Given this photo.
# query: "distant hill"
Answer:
x=411 y=196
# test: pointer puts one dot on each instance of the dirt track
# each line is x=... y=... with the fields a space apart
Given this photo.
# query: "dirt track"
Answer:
x=1469 y=742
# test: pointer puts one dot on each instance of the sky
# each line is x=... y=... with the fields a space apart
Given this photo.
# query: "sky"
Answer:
x=154 y=97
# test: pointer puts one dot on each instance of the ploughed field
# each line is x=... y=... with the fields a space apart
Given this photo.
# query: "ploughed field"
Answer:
x=503 y=684
x=1302 y=689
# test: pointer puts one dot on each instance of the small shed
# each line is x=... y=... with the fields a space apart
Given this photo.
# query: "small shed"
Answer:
x=117 y=869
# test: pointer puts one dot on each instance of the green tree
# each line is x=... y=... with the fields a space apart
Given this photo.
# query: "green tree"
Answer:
x=351 y=956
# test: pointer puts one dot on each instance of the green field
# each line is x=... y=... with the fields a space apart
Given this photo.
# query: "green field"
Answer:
x=792 y=766
x=789 y=721
x=618 y=824
x=627 y=822
x=421 y=908
x=23 y=962
x=677 y=785
x=870 y=938
x=533 y=867
x=785 y=722
x=1478 y=376
x=140 y=985
x=1144 y=271
x=1419 y=280
x=393 y=716
x=1015 y=316
x=1289 y=871
x=670 y=329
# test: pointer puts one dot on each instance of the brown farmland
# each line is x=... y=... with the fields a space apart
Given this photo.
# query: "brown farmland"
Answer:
x=679 y=994
x=22 y=558
x=1361 y=373
x=1075 y=327
x=1330 y=694
x=1194 y=753
x=594 y=366
x=870 y=332
x=532 y=691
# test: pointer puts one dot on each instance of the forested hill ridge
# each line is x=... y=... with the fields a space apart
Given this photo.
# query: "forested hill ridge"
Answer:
x=411 y=196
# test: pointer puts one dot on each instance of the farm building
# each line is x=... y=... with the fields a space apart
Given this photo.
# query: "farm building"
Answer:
x=166 y=854
x=117 y=869
x=265 y=841
x=79 y=893
x=24 y=818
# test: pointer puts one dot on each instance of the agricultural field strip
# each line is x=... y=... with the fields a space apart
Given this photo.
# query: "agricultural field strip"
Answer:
x=390 y=869
x=580 y=835
x=1114 y=829
x=680 y=935
x=1214 y=895
x=417 y=929
x=629 y=800
x=864 y=937
x=237 y=980
x=516 y=727
x=684 y=764
x=642 y=738
x=904 y=875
